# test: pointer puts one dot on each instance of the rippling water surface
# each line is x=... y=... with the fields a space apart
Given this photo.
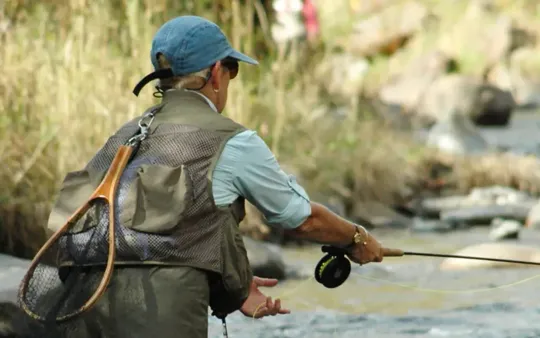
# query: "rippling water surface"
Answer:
x=405 y=297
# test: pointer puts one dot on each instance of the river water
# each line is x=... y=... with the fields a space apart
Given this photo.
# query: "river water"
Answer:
x=435 y=303
x=404 y=296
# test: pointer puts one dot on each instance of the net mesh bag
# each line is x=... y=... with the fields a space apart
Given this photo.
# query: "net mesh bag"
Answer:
x=52 y=296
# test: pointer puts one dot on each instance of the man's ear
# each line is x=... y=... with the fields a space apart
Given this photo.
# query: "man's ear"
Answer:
x=216 y=76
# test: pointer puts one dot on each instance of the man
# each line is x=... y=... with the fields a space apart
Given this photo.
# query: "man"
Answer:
x=181 y=199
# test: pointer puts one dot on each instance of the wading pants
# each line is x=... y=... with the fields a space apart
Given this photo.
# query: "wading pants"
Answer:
x=147 y=302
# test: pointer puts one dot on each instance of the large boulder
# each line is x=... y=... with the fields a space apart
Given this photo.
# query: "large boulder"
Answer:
x=456 y=94
x=265 y=259
x=497 y=106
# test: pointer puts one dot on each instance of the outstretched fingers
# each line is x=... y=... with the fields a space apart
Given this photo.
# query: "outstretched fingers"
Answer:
x=271 y=309
x=265 y=281
x=281 y=310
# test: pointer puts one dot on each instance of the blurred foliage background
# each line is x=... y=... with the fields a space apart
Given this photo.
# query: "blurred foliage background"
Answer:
x=68 y=68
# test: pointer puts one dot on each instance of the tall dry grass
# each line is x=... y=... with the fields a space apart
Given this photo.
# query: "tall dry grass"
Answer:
x=68 y=68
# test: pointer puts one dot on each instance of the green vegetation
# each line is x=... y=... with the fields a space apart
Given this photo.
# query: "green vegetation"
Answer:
x=68 y=68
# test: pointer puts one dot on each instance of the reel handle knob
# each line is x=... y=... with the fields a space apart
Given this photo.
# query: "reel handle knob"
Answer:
x=333 y=250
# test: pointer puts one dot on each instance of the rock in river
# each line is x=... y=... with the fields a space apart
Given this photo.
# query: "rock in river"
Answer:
x=478 y=197
x=265 y=259
x=504 y=229
x=485 y=214
x=424 y=225
x=12 y=270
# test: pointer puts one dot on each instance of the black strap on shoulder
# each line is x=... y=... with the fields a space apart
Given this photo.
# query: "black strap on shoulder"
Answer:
x=158 y=74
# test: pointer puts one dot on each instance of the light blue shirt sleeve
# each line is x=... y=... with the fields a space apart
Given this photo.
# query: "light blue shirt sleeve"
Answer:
x=248 y=168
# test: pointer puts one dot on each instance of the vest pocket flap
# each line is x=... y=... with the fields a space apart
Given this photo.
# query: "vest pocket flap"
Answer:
x=76 y=188
x=162 y=195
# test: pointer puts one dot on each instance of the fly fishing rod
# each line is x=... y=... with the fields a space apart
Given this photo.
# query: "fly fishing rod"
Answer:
x=334 y=268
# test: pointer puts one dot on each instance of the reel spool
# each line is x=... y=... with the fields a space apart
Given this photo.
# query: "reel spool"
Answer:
x=334 y=268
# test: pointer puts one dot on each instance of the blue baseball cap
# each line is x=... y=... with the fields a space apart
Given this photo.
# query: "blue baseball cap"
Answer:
x=190 y=44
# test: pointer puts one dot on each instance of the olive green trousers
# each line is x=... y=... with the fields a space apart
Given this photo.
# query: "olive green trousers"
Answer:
x=164 y=302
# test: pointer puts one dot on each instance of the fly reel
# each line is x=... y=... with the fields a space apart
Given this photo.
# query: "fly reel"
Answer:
x=334 y=268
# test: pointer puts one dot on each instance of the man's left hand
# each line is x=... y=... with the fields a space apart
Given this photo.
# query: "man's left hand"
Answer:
x=257 y=305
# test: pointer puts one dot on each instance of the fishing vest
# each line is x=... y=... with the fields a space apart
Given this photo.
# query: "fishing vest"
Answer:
x=165 y=211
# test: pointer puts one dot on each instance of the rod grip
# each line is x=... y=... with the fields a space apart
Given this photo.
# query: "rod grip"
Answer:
x=387 y=252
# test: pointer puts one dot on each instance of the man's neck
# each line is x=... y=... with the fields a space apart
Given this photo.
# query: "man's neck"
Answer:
x=210 y=103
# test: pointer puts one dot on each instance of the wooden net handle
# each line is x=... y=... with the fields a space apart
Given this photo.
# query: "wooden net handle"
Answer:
x=106 y=191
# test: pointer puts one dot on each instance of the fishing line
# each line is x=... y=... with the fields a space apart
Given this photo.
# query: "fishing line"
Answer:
x=334 y=269
x=416 y=288
x=284 y=294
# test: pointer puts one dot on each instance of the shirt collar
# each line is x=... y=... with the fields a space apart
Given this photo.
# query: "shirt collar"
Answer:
x=210 y=103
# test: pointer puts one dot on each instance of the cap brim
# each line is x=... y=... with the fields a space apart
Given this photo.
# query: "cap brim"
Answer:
x=242 y=57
